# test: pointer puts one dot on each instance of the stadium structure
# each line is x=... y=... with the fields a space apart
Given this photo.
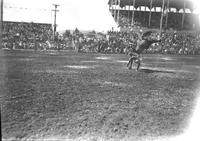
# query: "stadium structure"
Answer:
x=163 y=14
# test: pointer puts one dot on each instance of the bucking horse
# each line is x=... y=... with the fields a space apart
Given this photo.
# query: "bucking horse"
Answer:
x=146 y=41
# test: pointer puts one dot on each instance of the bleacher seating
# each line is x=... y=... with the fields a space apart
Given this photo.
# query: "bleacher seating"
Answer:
x=23 y=35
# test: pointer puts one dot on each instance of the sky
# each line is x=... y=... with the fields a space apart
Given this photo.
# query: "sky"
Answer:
x=83 y=14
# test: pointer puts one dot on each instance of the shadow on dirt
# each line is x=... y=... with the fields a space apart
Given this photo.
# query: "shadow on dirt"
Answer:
x=155 y=71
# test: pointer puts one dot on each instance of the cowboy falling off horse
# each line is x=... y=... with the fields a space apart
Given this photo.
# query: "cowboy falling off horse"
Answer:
x=146 y=41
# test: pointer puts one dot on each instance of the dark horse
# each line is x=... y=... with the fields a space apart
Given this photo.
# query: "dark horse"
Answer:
x=145 y=43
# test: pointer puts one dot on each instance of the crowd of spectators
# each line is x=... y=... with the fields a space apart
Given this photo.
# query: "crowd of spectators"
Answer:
x=21 y=35
x=39 y=36
x=178 y=43
x=121 y=42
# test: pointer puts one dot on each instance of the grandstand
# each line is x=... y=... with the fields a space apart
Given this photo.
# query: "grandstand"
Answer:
x=23 y=34
x=171 y=14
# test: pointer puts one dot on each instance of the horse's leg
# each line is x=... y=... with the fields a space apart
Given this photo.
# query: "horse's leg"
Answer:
x=138 y=66
x=131 y=63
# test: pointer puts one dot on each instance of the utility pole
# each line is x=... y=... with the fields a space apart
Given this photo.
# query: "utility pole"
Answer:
x=1 y=10
x=1 y=25
x=55 y=11
x=118 y=14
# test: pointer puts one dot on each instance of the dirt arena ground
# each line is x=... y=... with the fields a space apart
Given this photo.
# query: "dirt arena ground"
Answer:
x=77 y=96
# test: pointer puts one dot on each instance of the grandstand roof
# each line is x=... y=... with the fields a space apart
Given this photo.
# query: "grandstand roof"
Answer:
x=178 y=4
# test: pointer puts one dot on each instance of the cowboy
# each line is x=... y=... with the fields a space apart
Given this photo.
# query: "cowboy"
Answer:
x=145 y=43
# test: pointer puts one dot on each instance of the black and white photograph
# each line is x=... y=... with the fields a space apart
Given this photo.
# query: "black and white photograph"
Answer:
x=100 y=70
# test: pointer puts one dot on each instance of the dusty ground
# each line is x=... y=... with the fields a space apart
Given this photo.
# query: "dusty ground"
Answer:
x=63 y=96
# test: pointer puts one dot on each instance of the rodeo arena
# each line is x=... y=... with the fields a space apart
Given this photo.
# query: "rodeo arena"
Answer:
x=135 y=78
